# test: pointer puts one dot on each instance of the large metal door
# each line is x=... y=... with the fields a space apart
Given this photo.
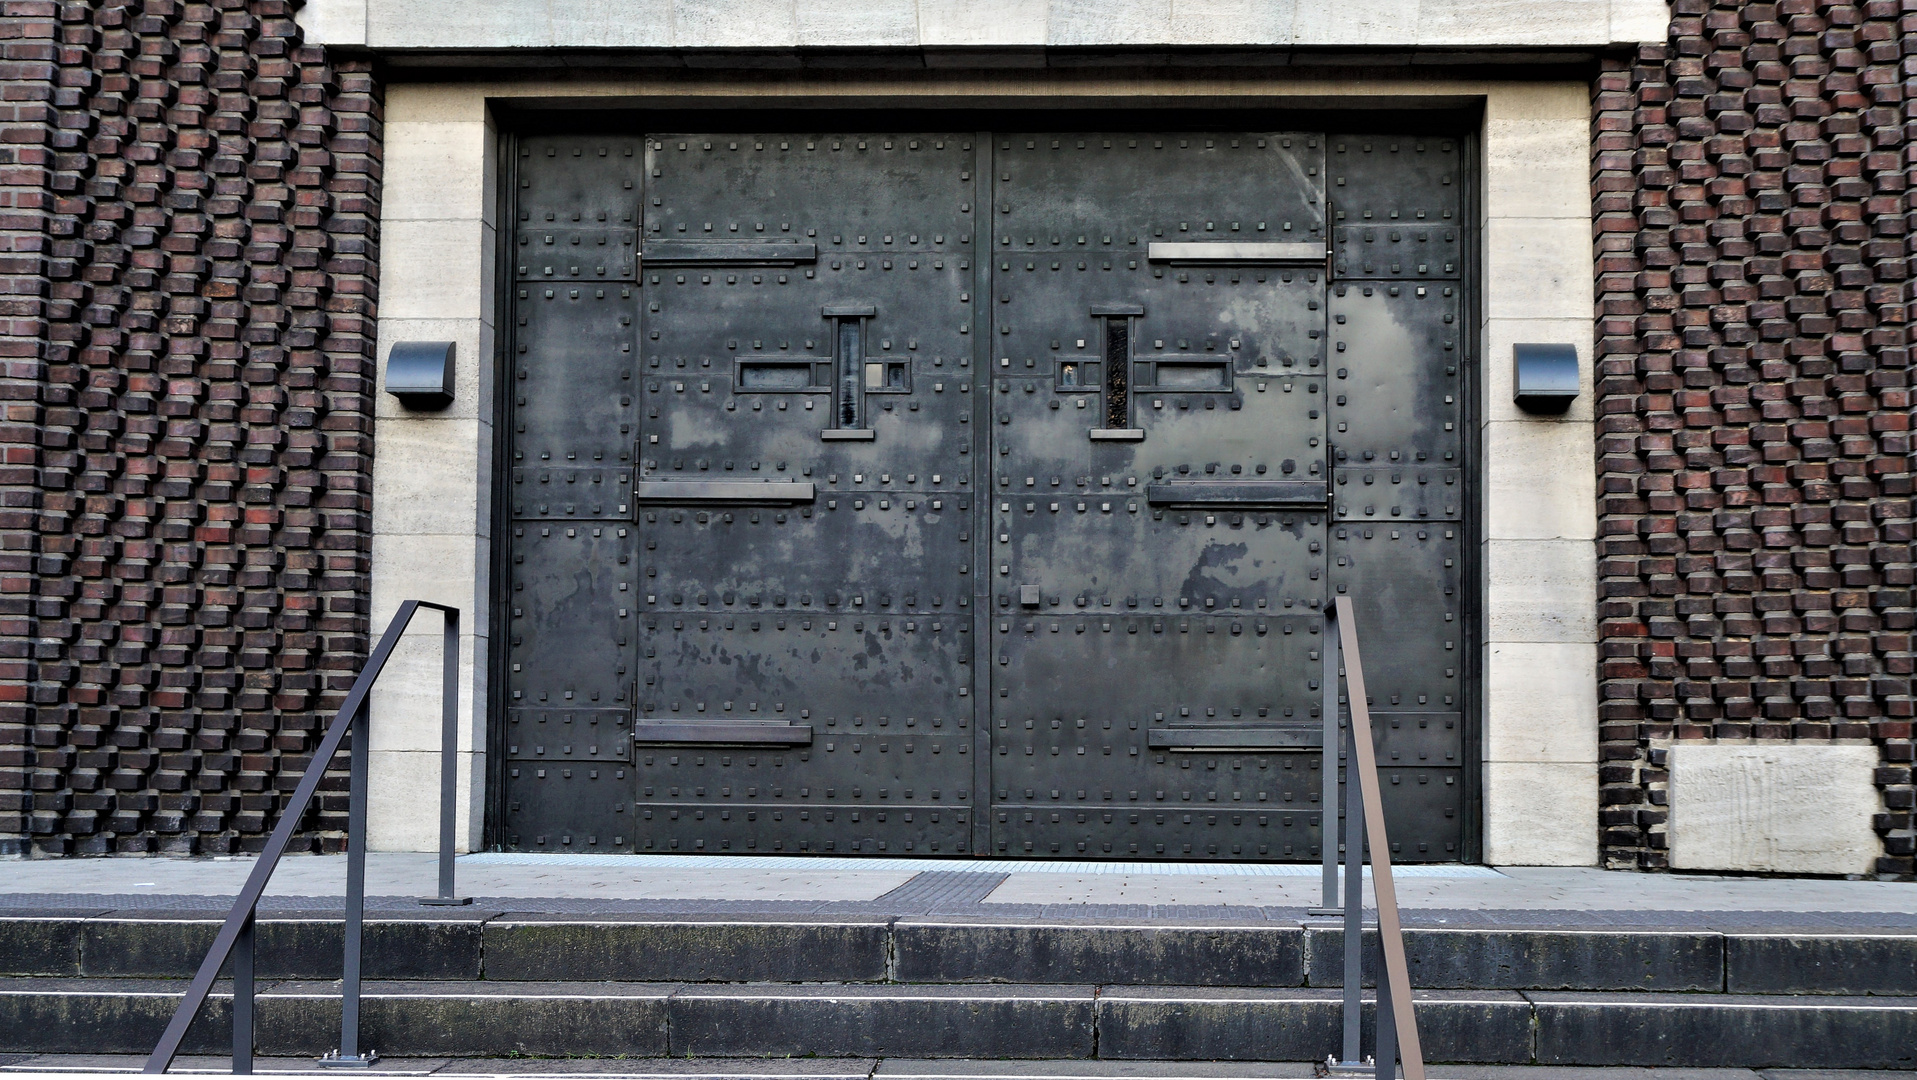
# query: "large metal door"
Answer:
x=1160 y=493
x=785 y=504
x=804 y=495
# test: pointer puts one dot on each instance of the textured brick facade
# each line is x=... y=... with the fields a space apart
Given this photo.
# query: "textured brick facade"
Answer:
x=1753 y=181
x=188 y=253
x=190 y=244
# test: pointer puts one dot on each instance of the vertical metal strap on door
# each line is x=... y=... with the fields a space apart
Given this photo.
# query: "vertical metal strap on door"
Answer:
x=1397 y=1024
x=1328 y=797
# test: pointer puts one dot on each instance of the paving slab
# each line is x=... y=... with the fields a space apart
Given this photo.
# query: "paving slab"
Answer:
x=679 y=887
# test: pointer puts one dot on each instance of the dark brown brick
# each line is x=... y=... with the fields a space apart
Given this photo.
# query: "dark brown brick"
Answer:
x=174 y=403
x=1754 y=474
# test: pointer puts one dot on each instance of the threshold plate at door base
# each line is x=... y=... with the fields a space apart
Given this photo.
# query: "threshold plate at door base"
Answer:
x=722 y=732
x=1200 y=739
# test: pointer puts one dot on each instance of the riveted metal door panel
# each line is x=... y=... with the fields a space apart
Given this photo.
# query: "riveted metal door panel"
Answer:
x=1096 y=551
x=1399 y=361
x=568 y=806
x=1160 y=493
x=776 y=817
x=851 y=192
x=571 y=648
x=1396 y=387
x=1122 y=707
x=872 y=710
x=749 y=501
x=854 y=553
x=570 y=410
x=742 y=379
x=1396 y=206
x=1423 y=813
x=571 y=624
x=1197 y=817
x=1404 y=581
x=1260 y=421
x=827 y=669
x=804 y=493
x=572 y=385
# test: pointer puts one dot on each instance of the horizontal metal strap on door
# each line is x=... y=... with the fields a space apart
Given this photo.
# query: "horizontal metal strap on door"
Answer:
x=1231 y=252
x=1238 y=493
x=1198 y=739
x=728 y=252
x=722 y=732
x=761 y=492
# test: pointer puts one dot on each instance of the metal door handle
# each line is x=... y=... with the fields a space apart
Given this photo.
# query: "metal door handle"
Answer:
x=657 y=492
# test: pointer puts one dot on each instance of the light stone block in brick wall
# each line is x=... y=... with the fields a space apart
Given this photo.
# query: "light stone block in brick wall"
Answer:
x=439 y=269
x=429 y=479
x=1640 y=20
x=443 y=568
x=848 y=23
x=1538 y=168
x=1792 y=808
x=1540 y=590
x=404 y=812
x=406 y=700
x=1541 y=702
x=333 y=22
x=438 y=103
x=1543 y=100
x=1540 y=481
x=968 y=23
x=1544 y=268
x=437 y=171
x=1540 y=813
x=622 y=24
x=508 y=25
x=734 y=24
x=1232 y=22
x=1109 y=22
x=1352 y=25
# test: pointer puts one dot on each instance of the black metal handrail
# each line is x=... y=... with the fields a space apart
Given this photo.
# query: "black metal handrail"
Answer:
x=1364 y=816
x=236 y=937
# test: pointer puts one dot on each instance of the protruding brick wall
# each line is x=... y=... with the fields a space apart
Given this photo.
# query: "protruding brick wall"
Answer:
x=1755 y=214
x=188 y=349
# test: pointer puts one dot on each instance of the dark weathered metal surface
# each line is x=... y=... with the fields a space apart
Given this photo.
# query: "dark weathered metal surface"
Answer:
x=1237 y=493
x=1154 y=619
x=1099 y=398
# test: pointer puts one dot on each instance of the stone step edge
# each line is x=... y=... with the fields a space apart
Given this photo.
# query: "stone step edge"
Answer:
x=1035 y=1022
x=901 y=950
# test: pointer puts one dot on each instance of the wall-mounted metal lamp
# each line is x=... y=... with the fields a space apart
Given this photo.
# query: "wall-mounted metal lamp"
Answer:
x=420 y=374
x=1546 y=377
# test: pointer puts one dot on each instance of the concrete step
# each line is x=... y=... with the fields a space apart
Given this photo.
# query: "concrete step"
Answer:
x=1024 y=1021
x=502 y=946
